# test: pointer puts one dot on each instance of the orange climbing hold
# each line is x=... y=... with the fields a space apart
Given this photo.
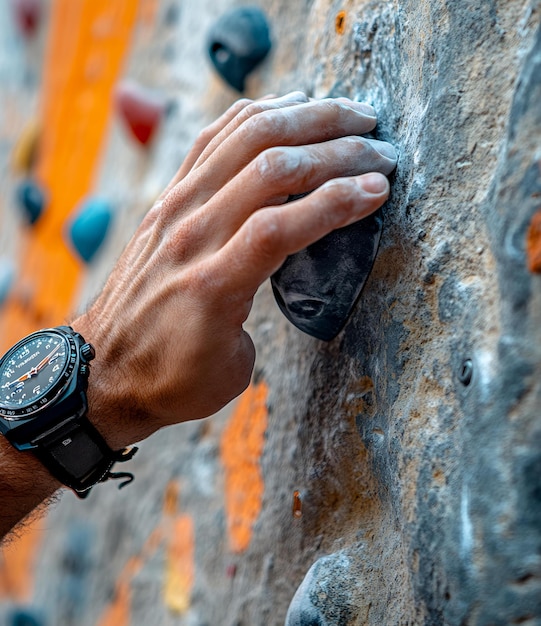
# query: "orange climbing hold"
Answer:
x=340 y=22
x=533 y=244
x=241 y=449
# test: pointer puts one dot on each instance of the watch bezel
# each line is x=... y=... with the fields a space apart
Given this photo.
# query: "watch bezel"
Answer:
x=13 y=414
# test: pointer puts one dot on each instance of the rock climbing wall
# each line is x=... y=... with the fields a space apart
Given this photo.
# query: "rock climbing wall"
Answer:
x=390 y=476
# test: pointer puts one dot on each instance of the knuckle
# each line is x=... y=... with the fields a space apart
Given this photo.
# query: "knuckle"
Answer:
x=250 y=111
x=335 y=109
x=298 y=96
x=254 y=108
x=265 y=129
x=263 y=233
x=241 y=104
x=184 y=237
x=201 y=284
x=342 y=195
x=204 y=136
x=279 y=167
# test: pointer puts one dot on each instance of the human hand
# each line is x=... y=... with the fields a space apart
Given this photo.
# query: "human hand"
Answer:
x=167 y=327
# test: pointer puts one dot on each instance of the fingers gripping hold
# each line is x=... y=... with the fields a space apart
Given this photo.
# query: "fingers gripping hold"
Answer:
x=269 y=235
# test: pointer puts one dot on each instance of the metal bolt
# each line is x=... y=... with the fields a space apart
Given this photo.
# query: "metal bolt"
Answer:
x=466 y=372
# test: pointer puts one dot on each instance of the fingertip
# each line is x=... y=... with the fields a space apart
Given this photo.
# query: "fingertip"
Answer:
x=374 y=184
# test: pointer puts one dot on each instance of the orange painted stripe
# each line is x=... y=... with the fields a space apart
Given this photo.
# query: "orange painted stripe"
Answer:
x=86 y=48
x=241 y=449
x=16 y=563
x=533 y=243
x=180 y=566
x=118 y=613
x=177 y=532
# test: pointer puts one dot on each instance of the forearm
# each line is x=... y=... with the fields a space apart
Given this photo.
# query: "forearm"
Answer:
x=25 y=484
x=168 y=326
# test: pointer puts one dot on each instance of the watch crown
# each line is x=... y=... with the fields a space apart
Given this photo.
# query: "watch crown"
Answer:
x=88 y=352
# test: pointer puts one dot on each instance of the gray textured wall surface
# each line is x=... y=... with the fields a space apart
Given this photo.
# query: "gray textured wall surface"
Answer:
x=414 y=437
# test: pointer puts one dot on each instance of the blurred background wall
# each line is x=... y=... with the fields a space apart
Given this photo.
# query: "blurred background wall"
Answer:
x=395 y=470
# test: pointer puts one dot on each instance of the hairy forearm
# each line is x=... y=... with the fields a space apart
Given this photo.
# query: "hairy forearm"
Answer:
x=25 y=484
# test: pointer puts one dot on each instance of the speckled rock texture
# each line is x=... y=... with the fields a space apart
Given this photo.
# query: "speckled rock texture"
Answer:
x=413 y=439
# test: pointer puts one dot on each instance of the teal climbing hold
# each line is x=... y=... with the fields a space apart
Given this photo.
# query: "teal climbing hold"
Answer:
x=89 y=229
x=31 y=200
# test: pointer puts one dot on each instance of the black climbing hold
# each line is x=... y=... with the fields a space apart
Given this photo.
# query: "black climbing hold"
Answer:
x=316 y=288
x=237 y=43
x=31 y=200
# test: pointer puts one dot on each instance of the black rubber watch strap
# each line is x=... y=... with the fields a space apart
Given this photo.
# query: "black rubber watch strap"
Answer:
x=77 y=455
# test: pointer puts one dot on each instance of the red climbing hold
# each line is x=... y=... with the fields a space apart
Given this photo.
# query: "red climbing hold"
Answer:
x=27 y=15
x=141 y=108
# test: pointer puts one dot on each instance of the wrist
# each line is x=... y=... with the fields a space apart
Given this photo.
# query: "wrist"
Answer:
x=110 y=409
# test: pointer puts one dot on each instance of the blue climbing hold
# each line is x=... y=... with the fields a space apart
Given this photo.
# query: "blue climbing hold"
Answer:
x=237 y=43
x=7 y=276
x=90 y=226
x=24 y=617
x=31 y=200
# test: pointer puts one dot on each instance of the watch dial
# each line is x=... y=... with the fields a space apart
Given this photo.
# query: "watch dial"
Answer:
x=31 y=370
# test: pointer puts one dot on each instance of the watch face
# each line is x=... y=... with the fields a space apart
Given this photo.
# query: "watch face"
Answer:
x=33 y=373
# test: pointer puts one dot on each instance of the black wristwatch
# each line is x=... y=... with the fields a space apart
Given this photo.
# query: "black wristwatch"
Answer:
x=43 y=407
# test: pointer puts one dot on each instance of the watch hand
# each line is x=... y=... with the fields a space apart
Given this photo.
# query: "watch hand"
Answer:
x=33 y=370
x=17 y=380
x=43 y=362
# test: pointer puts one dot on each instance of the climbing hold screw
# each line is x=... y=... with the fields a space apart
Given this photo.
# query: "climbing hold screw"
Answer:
x=466 y=372
x=237 y=43
x=297 y=504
